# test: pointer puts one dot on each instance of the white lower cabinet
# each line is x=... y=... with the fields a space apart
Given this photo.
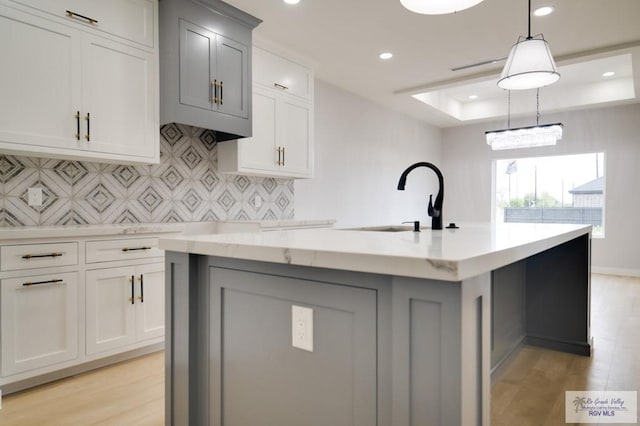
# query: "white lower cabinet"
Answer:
x=150 y=310
x=124 y=306
x=70 y=304
x=39 y=321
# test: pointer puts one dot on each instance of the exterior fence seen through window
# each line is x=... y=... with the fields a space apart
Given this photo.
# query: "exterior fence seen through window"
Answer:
x=558 y=189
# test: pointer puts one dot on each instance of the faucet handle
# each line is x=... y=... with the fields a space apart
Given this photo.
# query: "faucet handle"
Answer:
x=430 y=210
x=416 y=225
x=430 y=206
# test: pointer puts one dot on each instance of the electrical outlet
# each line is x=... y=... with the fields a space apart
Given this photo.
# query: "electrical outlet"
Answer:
x=302 y=328
x=257 y=201
x=34 y=196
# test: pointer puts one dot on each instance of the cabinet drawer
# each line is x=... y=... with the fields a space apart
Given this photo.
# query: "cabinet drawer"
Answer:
x=111 y=250
x=277 y=72
x=39 y=321
x=29 y=256
x=130 y=19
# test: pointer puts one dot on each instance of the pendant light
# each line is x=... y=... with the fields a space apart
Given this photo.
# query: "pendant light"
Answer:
x=524 y=137
x=530 y=64
x=438 y=7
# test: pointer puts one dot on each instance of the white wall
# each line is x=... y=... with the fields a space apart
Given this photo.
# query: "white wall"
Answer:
x=467 y=167
x=361 y=149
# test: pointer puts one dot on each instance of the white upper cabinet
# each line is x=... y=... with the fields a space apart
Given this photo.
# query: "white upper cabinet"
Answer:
x=282 y=141
x=71 y=91
x=276 y=72
x=131 y=20
x=40 y=92
x=118 y=102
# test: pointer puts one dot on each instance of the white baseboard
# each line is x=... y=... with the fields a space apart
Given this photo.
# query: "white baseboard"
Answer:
x=616 y=271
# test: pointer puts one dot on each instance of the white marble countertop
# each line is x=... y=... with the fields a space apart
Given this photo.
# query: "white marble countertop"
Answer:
x=72 y=231
x=271 y=225
x=449 y=254
x=189 y=228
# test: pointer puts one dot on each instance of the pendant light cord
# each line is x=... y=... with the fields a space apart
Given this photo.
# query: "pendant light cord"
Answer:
x=529 y=17
x=508 y=109
x=537 y=107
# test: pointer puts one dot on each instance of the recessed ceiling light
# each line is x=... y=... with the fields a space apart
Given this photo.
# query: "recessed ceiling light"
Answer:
x=385 y=55
x=608 y=74
x=543 y=11
x=292 y=1
x=472 y=97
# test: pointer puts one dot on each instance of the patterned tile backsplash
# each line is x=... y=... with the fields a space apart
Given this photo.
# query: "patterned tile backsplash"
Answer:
x=184 y=187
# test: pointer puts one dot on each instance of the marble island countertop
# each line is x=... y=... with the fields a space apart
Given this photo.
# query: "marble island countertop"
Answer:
x=449 y=254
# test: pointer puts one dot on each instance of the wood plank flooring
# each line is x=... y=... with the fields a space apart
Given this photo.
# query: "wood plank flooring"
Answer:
x=529 y=392
x=127 y=394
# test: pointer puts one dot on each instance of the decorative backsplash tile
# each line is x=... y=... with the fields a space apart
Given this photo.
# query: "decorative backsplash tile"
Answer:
x=184 y=187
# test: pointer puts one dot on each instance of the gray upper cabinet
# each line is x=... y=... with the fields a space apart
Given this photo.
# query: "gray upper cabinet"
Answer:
x=205 y=66
x=213 y=71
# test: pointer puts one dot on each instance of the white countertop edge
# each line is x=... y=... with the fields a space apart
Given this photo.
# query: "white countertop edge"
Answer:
x=282 y=223
x=73 y=231
x=440 y=269
x=472 y=267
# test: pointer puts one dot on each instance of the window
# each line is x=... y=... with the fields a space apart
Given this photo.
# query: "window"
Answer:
x=558 y=189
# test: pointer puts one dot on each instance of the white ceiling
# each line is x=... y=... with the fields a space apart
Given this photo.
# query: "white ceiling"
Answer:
x=341 y=39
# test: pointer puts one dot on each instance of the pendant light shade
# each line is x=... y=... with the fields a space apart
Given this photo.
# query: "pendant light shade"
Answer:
x=438 y=7
x=529 y=65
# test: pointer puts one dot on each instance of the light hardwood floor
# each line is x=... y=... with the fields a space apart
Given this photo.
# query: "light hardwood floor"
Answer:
x=532 y=389
x=126 y=394
x=529 y=392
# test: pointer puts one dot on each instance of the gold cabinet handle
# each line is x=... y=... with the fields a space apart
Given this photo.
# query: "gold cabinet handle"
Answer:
x=214 y=85
x=88 y=135
x=77 y=117
x=280 y=86
x=132 y=280
x=217 y=99
x=54 y=281
x=283 y=155
x=141 y=297
x=71 y=14
x=279 y=162
x=35 y=256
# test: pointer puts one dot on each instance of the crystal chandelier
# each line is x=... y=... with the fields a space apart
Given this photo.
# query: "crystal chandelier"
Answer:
x=524 y=137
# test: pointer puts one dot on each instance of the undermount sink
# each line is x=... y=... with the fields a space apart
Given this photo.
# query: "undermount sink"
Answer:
x=392 y=228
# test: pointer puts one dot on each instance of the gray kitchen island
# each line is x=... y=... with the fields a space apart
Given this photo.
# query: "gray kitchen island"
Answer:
x=369 y=326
